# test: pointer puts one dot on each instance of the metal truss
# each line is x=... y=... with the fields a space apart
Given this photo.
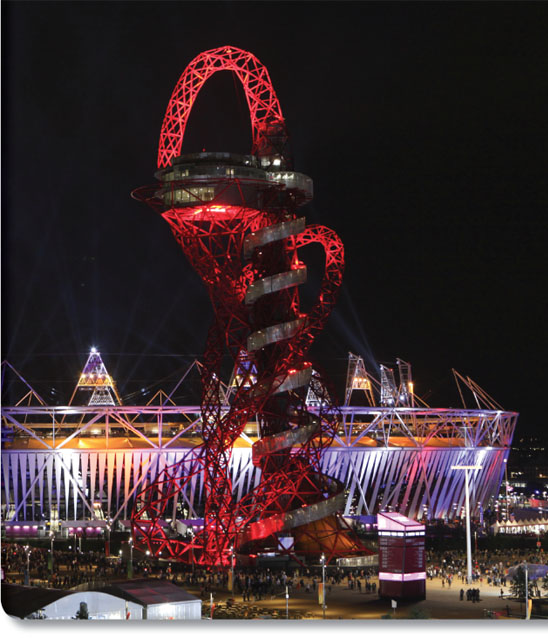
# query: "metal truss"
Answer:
x=408 y=455
x=267 y=123
x=234 y=218
x=396 y=458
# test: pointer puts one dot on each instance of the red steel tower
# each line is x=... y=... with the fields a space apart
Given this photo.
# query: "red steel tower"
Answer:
x=235 y=218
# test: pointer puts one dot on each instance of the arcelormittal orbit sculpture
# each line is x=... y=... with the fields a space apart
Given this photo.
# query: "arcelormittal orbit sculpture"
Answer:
x=235 y=219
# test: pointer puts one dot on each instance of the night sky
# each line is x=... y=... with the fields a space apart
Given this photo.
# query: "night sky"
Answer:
x=423 y=127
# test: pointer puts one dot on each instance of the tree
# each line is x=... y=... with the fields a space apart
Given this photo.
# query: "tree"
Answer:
x=417 y=613
x=517 y=586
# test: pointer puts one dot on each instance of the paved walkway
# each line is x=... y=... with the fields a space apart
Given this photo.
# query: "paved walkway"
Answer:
x=343 y=603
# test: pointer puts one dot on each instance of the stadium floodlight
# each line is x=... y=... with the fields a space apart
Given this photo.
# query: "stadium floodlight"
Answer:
x=466 y=469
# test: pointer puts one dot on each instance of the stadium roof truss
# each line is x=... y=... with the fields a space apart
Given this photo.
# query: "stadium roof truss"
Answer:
x=396 y=457
x=387 y=457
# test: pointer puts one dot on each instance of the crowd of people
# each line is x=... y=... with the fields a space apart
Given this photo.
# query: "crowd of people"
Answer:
x=471 y=595
x=488 y=568
x=72 y=568
x=254 y=584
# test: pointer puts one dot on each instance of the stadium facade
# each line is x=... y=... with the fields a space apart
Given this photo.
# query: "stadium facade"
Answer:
x=82 y=466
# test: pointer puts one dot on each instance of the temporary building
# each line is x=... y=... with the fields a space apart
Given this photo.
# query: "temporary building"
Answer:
x=124 y=600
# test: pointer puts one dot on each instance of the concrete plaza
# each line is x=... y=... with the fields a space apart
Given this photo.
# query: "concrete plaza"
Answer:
x=343 y=603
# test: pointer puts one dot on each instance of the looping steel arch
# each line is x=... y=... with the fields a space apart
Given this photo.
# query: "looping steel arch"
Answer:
x=266 y=115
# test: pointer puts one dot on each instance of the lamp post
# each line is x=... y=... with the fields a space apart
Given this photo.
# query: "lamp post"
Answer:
x=51 y=539
x=27 y=573
x=526 y=591
x=107 y=540
x=287 y=602
x=506 y=484
x=466 y=468
x=323 y=585
x=130 y=564
x=192 y=547
x=232 y=569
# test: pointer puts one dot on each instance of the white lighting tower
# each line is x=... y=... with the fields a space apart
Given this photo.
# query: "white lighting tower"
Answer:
x=466 y=468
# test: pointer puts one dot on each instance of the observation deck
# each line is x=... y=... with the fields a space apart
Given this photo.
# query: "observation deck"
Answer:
x=197 y=178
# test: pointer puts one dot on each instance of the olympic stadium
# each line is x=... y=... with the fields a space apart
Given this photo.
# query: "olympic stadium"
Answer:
x=81 y=466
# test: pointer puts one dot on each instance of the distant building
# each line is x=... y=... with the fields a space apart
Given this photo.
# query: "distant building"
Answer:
x=528 y=464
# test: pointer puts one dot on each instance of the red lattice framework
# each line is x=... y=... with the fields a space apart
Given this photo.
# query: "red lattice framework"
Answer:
x=267 y=122
x=248 y=259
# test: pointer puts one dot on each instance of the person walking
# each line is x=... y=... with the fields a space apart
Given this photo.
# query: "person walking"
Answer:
x=462 y=594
